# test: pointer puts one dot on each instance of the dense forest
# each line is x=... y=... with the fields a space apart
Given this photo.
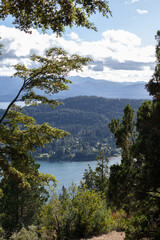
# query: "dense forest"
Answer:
x=86 y=119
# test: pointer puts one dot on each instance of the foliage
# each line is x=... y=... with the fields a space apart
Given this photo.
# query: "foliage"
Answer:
x=137 y=179
x=142 y=226
x=55 y=15
x=24 y=234
x=22 y=185
x=21 y=182
x=0 y=47
x=116 y=220
x=76 y=213
x=49 y=76
x=120 y=182
x=2 y=233
x=20 y=134
x=153 y=85
x=97 y=180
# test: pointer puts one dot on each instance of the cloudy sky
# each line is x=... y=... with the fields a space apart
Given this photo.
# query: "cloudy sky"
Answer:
x=123 y=49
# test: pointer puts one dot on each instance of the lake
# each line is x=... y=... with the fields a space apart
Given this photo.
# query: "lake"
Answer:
x=68 y=172
x=65 y=172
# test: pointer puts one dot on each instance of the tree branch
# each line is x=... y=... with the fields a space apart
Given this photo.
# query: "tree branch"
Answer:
x=11 y=104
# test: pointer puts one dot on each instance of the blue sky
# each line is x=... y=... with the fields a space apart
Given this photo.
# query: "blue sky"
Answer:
x=140 y=17
x=123 y=49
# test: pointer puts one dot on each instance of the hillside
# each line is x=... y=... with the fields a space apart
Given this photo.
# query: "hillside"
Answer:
x=86 y=118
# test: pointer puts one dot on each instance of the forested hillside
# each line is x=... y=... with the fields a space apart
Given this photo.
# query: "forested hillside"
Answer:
x=86 y=119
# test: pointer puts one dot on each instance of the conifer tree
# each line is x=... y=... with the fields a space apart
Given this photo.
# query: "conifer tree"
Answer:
x=134 y=185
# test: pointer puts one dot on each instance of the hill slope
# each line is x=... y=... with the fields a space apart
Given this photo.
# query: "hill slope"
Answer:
x=86 y=118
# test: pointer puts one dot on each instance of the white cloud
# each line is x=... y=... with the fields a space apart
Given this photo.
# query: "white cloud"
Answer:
x=74 y=36
x=118 y=75
x=132 y=1
x=142 y=11
x=118 y=56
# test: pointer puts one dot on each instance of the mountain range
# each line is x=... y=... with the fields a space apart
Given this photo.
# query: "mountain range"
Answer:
x=82 y=87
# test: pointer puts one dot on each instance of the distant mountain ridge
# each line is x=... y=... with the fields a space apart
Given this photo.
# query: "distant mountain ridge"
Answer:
x=107 y=89
x=82 y=87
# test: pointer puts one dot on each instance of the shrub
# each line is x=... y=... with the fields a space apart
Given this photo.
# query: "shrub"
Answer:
x=24 y=234
x=76 y=213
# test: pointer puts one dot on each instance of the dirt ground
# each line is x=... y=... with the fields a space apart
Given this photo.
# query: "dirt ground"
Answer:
x=110 y=236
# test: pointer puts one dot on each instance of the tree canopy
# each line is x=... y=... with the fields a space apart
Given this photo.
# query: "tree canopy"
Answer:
x=52 y=14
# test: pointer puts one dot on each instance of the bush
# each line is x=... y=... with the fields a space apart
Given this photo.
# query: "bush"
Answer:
x=75 y=214
x=136 y=227
x=2 y=233
x=142 y=227
x=24 y=234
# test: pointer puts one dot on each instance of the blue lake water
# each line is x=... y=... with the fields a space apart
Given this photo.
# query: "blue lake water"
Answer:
x=68 y=172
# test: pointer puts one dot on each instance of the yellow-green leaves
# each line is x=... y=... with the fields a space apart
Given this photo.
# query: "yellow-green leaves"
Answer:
x=19 y=135
x=75 y=214
x=23 y=187
x=49 y=77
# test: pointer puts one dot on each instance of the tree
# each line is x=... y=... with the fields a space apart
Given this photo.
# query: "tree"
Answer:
x=134 y=185
x=120 y=175
x=52 y=14
x=97 y=180
x=102 y=171
x=55 y=15
x=153 y=86
x=20 y=135
x=22 y=185
x=76 y=213
x=49 y=76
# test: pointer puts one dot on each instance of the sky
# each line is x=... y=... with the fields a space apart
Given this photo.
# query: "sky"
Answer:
x=123 y=48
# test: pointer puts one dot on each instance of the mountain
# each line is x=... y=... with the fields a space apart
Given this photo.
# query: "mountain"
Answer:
x=82 y=87
x=107 y=89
